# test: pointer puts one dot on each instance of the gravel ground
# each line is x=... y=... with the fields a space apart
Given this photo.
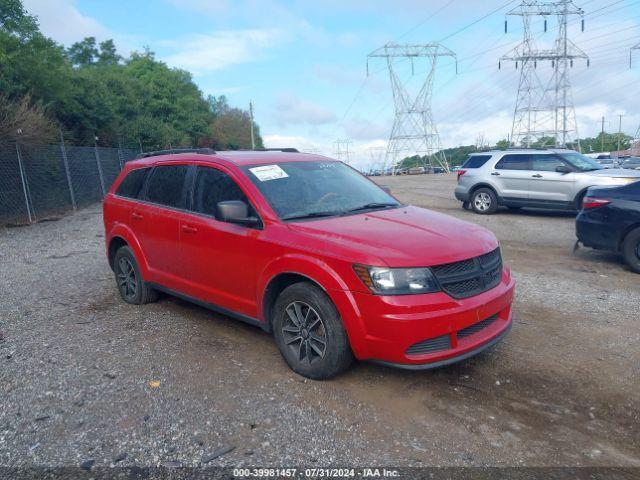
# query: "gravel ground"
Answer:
x=87 y=378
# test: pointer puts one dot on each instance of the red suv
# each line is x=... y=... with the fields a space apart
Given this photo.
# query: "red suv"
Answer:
x=310 y=250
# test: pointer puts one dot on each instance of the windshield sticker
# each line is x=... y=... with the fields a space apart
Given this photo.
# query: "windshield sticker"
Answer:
x=268 y=172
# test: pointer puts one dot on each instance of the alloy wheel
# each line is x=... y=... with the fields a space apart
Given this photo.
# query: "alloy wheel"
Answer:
x=304 y=332
x=127 y=279
x=482 y=201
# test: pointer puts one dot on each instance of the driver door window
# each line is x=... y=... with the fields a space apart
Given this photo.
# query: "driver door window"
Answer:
x=214 y=186
x=546 y=163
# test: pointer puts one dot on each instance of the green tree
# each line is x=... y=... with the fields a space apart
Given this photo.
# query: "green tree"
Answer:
x=503 y=144
x=108 y=54
x=90 y=90
x=83 y=53
x=14 y=19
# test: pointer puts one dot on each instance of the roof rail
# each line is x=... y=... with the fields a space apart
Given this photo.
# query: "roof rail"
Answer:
x=174 y=151
x=529 y=148
x=285 y=149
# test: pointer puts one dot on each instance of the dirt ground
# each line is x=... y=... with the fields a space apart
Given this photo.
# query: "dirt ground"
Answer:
x=76 y=364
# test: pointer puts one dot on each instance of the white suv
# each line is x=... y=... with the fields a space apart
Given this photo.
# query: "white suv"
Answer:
x=556 y=179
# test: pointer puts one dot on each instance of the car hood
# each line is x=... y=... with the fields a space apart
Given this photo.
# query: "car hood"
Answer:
x=614 y=172
x=401 y=237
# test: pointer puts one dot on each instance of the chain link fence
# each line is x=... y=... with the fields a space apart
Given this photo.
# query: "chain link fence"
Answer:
x=44 y=181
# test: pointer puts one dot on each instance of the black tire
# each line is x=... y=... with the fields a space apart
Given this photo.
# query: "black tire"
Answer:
x=484 y=201
x=303 y=318
x=132 y=287
x=631 y=249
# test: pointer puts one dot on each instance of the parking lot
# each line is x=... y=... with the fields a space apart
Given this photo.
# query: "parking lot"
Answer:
x=86 y=378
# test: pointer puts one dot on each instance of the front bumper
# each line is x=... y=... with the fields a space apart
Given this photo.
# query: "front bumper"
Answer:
x=394 y=324
x=450 y=360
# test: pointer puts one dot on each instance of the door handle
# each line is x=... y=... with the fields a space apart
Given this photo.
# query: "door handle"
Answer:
x=189 y=229
x=537 y=175
x=136 y=216
x=495 y=173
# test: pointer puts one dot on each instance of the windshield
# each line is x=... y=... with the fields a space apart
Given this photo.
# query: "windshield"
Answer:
x=580 y=161
x=298 y=190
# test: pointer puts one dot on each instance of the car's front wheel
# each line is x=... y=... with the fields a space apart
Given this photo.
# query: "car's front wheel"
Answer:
x=631 y=250
x=484 y=201
x=309 y=332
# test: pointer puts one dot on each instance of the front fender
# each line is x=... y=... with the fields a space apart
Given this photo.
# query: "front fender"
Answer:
x=330 y=281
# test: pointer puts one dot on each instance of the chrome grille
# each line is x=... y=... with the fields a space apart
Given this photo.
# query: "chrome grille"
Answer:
x=470 y=277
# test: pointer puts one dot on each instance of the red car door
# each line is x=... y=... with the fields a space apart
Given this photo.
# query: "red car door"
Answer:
x=219 y=257
x=160 y=217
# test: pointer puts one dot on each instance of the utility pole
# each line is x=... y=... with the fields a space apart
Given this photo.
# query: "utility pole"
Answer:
x=619 y=131
x=544 y=108
x=253 y=140
x=635 y=149
x=602 y=136
x=414 y=129
x=635 y=47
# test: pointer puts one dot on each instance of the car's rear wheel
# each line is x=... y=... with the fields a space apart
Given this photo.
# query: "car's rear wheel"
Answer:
x=484 y=201
x=309 y=332
x=631 y=250
x=132 y=287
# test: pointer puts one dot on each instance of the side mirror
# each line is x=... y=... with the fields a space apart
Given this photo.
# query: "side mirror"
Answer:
x=386 y=188
x=235 y=211
x=563 y=169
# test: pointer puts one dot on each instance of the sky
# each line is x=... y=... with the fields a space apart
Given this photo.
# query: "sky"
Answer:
x=303 y=63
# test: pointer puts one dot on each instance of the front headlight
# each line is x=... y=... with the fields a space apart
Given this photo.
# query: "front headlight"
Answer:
x=397 y=281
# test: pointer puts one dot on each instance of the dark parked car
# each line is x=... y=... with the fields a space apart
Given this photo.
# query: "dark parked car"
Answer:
x=610 y=220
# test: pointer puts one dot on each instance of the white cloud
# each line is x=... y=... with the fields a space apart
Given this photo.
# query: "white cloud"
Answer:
x=364 y=129
x=62 y=21
x=292 y=110
x=303 y=144
x=206 y=53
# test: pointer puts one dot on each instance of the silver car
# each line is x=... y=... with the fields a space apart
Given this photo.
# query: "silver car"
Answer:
x=555 y=179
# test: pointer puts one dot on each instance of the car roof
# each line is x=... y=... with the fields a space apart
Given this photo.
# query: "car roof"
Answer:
x=234 y=157
x=521 y=150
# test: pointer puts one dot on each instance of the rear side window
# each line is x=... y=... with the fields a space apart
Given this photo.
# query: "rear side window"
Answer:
x=476 y=161
x=166 y=185
x=514 y=162
x=132 y=184
x=213 y=186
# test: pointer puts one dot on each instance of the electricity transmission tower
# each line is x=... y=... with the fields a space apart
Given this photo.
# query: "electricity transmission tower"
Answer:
x=414 y=130
x=377 y=158
x=544 y=109
x=342 y=151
